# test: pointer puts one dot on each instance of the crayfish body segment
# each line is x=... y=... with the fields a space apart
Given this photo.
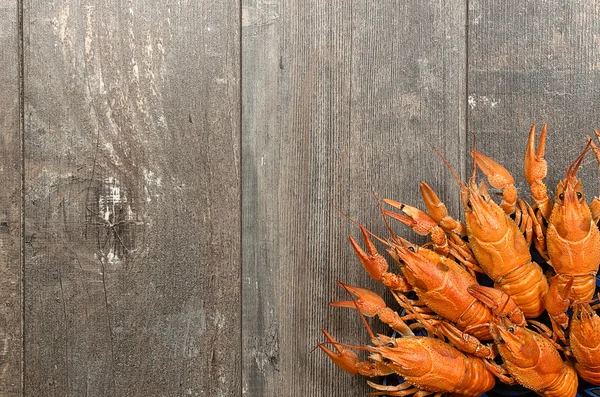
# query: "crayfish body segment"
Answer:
x=499 y=245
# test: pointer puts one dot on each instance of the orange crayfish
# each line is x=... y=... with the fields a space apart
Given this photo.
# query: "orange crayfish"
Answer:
x=428 y=365
x=536 y=327
x=439 y=282
x=572 y=239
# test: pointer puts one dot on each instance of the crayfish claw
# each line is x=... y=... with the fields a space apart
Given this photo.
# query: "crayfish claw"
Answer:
x=345 y=359
x=497 y=175
x=536 y=169
x=500 y=178
x=348 y=361
x=368 y=302
x=416 y=219
x=439 y=212
x=557 y=299
x=420 y=223
x=374 y=263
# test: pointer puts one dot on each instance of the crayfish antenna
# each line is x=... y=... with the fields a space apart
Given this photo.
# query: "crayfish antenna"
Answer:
x=387 y=224
x=355 y=222
x=454 y=174
x=474 y=173
x=572 y=170
x=595 y=148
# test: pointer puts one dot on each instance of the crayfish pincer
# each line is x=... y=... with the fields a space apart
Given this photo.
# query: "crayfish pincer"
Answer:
x=506 y=293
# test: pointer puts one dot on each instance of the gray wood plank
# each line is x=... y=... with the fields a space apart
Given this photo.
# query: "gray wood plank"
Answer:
x=10 y=203
x=132 y=208
x=340 y=99
x=535 y=62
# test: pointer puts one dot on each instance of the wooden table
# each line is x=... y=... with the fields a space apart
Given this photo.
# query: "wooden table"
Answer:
x=167 y=169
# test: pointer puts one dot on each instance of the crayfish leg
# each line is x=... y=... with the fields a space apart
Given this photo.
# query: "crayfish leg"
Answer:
x=500 y=373
x=403 y=389
x=465 y=342
x=539 y=232
x=387 y=389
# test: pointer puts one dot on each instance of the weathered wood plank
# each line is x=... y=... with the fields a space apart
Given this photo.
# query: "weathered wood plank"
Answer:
x=340 y=99
x=535 y=62
x=132 y=198
x=10 y=203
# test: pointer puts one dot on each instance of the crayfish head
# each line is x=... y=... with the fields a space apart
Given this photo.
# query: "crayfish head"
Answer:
x=424 y=269
x=517 y=345
x=409 y=357
x=485 y=219
x=571 y=216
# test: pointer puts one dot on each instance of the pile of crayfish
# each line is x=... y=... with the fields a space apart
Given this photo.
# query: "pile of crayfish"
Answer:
x=530 y=325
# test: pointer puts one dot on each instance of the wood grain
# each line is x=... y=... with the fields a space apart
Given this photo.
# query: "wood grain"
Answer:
x=340 y=99
x=132 y=204
x=10 y=203
x=535 y=62
x=163 y=258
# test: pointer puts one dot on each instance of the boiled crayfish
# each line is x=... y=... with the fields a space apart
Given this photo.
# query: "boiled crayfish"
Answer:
x=535 y=324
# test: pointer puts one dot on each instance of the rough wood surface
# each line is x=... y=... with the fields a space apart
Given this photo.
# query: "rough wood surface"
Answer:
x=132 y=198
x=535 y=62
x=163 y=259
x=10 y=204
x=340 y=99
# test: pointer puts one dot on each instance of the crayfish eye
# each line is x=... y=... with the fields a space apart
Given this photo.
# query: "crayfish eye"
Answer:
x=511 y=330
x=469 y=204
x=561 y=196
x=411 y=249
x=579 y=195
